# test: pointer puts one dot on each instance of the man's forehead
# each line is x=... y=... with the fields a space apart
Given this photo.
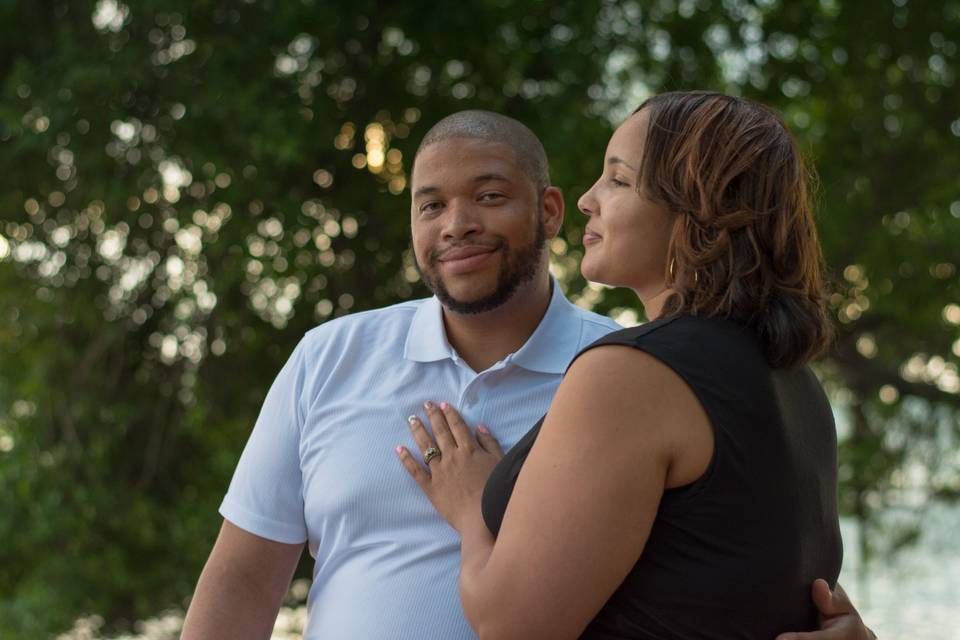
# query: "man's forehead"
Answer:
x=472 y=148
x=465 y=159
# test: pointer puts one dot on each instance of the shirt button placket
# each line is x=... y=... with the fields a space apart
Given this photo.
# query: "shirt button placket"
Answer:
x=470 y=400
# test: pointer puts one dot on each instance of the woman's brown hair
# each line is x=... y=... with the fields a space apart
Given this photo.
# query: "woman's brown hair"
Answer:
x=744 y=245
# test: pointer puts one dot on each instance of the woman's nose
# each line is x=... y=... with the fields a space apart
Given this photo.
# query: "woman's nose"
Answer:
x=586 y=203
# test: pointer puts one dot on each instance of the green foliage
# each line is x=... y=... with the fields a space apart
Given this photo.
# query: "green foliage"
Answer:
x=190 y=186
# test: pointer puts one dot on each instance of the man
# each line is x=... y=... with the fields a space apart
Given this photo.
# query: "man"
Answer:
x=320 y=466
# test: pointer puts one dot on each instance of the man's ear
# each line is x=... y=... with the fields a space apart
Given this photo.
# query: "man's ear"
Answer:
x=552 y=211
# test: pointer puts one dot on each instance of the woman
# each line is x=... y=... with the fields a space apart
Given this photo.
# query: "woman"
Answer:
x=683 y=483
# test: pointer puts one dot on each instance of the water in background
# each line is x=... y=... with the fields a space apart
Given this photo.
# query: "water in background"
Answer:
x=915 y=594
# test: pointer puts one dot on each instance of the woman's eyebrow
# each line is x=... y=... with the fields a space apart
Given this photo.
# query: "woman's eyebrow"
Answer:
x=616 y=160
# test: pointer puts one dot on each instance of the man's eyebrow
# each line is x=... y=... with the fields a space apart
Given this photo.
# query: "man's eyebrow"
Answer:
x=423 y=191
x=616 y=160
x=485 y=177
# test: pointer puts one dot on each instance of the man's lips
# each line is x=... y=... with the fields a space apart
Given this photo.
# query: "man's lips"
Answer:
x=459 y=260
x=461 y=253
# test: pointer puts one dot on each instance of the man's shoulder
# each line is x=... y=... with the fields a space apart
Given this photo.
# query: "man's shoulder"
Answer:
x=593 y=325
x=383 y=319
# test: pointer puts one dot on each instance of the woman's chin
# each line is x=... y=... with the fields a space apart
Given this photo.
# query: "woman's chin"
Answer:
x=597 y=276
x=587 y=273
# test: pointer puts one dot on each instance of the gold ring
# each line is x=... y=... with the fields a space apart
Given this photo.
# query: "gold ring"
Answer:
x=430 y=454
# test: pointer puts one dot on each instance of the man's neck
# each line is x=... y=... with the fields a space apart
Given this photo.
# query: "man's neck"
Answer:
x=483 y=339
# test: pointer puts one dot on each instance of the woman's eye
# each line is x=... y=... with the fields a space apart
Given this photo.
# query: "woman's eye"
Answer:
x=618 y=183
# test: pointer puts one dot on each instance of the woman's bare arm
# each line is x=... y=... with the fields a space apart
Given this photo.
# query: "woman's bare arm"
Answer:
x=622 y=427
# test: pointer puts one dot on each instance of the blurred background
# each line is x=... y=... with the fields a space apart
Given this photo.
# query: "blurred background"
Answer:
x=188 y=187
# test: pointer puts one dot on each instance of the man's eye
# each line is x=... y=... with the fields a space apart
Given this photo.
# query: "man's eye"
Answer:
x=429 y=207
x=490 y=197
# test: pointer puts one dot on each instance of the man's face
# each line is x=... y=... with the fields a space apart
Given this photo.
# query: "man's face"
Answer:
x=476 y=222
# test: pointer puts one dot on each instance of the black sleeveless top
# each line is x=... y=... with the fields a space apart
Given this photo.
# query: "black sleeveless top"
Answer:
x=733 y=554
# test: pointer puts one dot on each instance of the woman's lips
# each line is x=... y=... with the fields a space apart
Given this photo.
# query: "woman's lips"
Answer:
x=465 y=259
x=589 y=237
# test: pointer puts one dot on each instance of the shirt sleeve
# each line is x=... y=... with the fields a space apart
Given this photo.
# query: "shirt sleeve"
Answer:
x=266 y=493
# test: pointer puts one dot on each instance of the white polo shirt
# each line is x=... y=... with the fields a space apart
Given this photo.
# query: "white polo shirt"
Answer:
x=320 y=464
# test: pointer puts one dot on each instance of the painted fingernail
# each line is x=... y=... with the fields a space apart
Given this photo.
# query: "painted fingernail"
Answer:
x=412 y=420
x=428 y=405
x=482 y=429
x=444 y=405
x=399 y=450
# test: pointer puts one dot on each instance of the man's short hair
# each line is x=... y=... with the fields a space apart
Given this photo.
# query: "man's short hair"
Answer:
x=498 y=128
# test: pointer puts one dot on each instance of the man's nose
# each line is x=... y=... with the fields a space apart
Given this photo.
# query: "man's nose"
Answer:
x=462 y=220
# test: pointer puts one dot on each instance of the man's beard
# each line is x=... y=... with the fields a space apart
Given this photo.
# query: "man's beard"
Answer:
x=517 y=268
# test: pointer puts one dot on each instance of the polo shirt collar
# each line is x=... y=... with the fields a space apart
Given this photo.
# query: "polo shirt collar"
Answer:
x=427 y=337
x=549 y=349
x=556 y=339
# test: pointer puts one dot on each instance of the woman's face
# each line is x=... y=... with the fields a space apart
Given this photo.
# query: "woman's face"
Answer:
x=625 y=241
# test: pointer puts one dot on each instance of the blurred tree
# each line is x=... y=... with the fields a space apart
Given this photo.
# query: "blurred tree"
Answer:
x=189 y=186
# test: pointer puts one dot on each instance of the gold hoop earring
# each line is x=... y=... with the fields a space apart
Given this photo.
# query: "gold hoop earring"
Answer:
x=670 y=268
